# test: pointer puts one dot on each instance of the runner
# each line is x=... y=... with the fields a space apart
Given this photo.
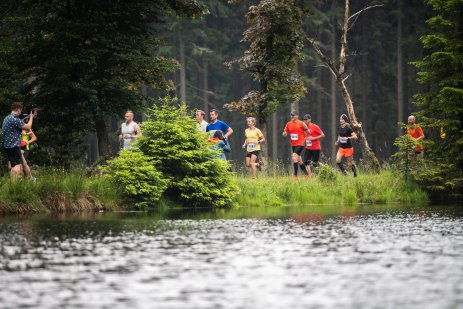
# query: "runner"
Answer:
x=216 y=124
x=297 y=130
x=28 y=138
x=312 y=143
x=415 y=131
x=129 y=132
x=254 y=138
x=346 y=134
x=218 y=142
x=202 y=124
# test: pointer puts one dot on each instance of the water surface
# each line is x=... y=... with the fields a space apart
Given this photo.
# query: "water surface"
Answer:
x=288 y=257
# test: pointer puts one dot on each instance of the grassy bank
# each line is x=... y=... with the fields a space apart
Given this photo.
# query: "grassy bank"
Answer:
x=370 y=188
x=59 y=191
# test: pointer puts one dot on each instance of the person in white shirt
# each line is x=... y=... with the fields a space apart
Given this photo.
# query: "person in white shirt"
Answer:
x=202 y=124
x=129 y=132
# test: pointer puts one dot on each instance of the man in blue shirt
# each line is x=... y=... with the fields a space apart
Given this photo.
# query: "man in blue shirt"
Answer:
x=11 y=138
x=216 y=124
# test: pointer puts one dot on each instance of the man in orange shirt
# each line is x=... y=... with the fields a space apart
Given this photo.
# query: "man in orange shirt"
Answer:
x=297 y=131
x=312 y=142
x=417 y=133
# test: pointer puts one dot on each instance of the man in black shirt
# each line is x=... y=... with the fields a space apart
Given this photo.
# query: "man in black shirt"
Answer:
x=345 y=135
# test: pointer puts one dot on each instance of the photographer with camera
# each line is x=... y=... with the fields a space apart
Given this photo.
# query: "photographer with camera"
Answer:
x=11 y=138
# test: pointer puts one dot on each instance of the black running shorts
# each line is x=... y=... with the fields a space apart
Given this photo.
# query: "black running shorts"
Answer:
x=13 y=155
x=298 y=149
x=311 y=155
x=255 y=152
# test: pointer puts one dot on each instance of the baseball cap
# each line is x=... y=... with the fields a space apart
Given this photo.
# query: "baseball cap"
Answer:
x=307 y=116
x=294 y=113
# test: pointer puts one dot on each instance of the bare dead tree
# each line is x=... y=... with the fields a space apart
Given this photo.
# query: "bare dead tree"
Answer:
x=340 y=75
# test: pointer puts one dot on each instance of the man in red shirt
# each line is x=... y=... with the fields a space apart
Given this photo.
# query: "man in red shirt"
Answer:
x=417 y=133
x=312 y=142
x=297 y=130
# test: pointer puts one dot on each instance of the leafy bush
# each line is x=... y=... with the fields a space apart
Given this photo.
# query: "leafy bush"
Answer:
x=439 y=178
x=404 y=160
x=174 y=145
x=135 y=174
x=326 y=173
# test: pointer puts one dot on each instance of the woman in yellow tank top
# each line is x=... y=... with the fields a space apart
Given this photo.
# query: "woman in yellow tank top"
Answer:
x=254 y=138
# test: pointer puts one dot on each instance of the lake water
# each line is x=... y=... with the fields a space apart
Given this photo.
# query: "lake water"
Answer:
x=289 y=257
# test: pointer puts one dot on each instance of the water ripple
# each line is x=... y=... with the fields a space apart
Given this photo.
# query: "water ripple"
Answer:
x=409 y=260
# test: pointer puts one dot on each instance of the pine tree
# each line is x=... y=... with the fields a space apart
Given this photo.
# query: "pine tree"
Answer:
x=441 y=107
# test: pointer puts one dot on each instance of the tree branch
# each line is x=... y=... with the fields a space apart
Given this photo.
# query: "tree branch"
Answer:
x=322 y=56
x=345 y=78
x=356 y=15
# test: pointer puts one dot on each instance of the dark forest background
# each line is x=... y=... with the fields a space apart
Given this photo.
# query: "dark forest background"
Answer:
x=381 y=46
x=383 y=42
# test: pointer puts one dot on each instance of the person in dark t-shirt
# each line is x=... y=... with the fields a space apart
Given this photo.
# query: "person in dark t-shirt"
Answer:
x=11 y=138
x=345 y=135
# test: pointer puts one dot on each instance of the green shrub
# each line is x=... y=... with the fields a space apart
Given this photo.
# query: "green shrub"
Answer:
x=173 y=143
x=135 y=174
x=326 y=173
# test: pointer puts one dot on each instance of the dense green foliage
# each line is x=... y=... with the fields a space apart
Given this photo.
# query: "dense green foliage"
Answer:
x=405 y=161
x=441 y=106
x=172 y=160
x=81 y=61
x=136 y=176
x=276 y=38
x=171 y=139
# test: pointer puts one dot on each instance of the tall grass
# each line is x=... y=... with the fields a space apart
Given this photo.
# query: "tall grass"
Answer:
x=367 y=188
x=58 y=190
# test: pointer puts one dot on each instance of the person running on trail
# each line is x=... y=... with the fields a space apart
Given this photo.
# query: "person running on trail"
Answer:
x=312 y=143
x=28 y=138
x=202 y=124
x=216 y=124
x=129 y=132
x=254 y=138
x=11 y=138
x=218 y=142
x=297 y=130
x=345 y=135
x=415 y=131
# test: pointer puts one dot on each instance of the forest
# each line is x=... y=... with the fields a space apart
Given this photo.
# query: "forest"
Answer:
x=84 y=63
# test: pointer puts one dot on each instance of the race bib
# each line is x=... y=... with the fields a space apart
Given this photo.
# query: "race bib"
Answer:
x=343 y=140
x=294 y=137
x=251 y=147
x=308 y=142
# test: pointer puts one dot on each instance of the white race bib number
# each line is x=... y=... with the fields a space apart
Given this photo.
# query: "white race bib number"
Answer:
x=343 y=140
x=308 y=142
x=251 y=147
x=294 y=137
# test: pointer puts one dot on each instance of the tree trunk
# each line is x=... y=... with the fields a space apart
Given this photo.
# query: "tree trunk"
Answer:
x=262 y=125
x=400 y=92
x=370 y=160
x=334 y=122
x=319 y=100
x=274 y=137
x=104 y=145
x=181 y=44
x=205 y=87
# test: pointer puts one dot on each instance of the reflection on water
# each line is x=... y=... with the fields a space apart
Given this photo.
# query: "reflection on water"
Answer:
x=286 y=257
